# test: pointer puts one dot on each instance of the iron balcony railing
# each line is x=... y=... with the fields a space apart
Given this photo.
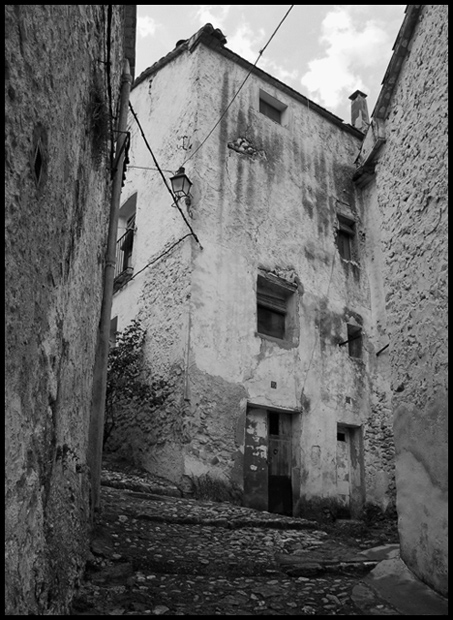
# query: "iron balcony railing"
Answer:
x=123 y=266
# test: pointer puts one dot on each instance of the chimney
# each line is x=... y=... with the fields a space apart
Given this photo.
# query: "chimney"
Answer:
x=359 y=111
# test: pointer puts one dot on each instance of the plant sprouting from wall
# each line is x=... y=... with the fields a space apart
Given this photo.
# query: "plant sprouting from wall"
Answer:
x=129 y=385
x=98 y=121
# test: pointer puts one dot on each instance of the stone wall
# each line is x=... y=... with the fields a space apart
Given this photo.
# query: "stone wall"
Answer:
x=147 y=433
x=57 y=206
x=411 y=197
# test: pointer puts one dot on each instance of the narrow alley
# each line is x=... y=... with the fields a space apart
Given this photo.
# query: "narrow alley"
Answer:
x=155 y=553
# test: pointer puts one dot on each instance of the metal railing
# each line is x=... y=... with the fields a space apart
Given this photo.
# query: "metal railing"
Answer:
x=123 y=266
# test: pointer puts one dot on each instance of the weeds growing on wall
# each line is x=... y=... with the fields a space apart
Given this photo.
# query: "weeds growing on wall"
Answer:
x=128 y=379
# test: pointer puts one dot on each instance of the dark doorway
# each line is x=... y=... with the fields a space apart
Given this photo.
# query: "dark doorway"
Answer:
x=280 y=496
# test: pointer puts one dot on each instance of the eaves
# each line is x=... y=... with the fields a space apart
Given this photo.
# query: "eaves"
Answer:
x=214 y=39
x=375 y=136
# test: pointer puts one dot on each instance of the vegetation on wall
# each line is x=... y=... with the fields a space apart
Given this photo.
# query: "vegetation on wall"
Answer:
x=129 y=385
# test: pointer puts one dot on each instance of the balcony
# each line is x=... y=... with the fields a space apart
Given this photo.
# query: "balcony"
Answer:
x=123 y=267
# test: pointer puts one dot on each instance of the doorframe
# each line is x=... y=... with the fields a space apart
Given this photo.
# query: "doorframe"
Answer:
x=357 y=466
x=296 y=416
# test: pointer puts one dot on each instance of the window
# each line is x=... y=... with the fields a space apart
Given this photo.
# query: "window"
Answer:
x=271 y=107
x=125 y=243
x=355 y=341
x=113 y=332
x=270 y=111
x=346 y=237
x=274 y=308
x=128 y=242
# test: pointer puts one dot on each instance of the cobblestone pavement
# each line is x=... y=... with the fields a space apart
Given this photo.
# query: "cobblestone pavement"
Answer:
x=155 y=554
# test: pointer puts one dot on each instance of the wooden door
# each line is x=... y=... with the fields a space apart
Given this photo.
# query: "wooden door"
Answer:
x=343 y=468
x=279 y=463
x=255 y=459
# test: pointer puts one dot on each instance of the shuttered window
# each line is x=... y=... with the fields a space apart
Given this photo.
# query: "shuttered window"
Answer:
x=272 y=308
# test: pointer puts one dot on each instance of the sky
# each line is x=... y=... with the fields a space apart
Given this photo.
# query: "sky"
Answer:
x=325 y=52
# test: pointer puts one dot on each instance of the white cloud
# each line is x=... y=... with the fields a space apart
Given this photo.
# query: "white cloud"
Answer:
x=146 y=26
x=248 y=44
x=245 y=42
x=214 y=14
x=352 y=48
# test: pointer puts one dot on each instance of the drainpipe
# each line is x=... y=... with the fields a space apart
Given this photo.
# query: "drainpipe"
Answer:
x=96 y=431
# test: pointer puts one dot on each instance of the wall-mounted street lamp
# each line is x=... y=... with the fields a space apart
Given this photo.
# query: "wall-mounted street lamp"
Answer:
x=181 y=184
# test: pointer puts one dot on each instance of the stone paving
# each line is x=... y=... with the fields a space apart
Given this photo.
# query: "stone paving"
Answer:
x=156 y=554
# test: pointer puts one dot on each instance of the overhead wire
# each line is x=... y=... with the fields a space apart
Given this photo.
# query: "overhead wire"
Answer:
x=240 y=87
x=160 y=256
x=162 y=175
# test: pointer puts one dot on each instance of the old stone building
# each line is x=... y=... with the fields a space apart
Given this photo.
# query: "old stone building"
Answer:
x=402 y=170
x=63 y=72
x=265 y=327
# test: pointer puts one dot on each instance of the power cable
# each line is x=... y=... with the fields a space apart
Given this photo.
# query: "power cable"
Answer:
x=160 y=255
x=163 y=176
x=240 y=87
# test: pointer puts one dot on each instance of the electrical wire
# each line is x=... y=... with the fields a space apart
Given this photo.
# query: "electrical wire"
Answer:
x=240 y=87
x=160 y=256
x=147 y=168
x=163 y=176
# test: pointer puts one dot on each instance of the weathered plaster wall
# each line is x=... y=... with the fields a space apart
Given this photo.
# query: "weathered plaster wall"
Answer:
x=55 y=244
x=411 y=180
x=159 y=295
x=276 y=203
x=265 y=196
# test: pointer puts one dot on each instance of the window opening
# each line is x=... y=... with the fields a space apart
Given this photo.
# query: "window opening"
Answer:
x=273 y=423
x=270 y=111
x=341 y=437
x=271 y=309
x=113 y=332
x=125 y=242
x=345 y=237
x=271 y=107
x=355 y=341
x=37 y=164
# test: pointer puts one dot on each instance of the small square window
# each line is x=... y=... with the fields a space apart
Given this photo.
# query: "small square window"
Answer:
x=273 y=308
x=346 y=237
x=270 y=111
x=355 y=341
x=271 y=107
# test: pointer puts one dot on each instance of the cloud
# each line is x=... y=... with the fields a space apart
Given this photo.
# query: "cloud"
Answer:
x=213 y=14
x=353 y=46
x=146 y=26
x=247 y=43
